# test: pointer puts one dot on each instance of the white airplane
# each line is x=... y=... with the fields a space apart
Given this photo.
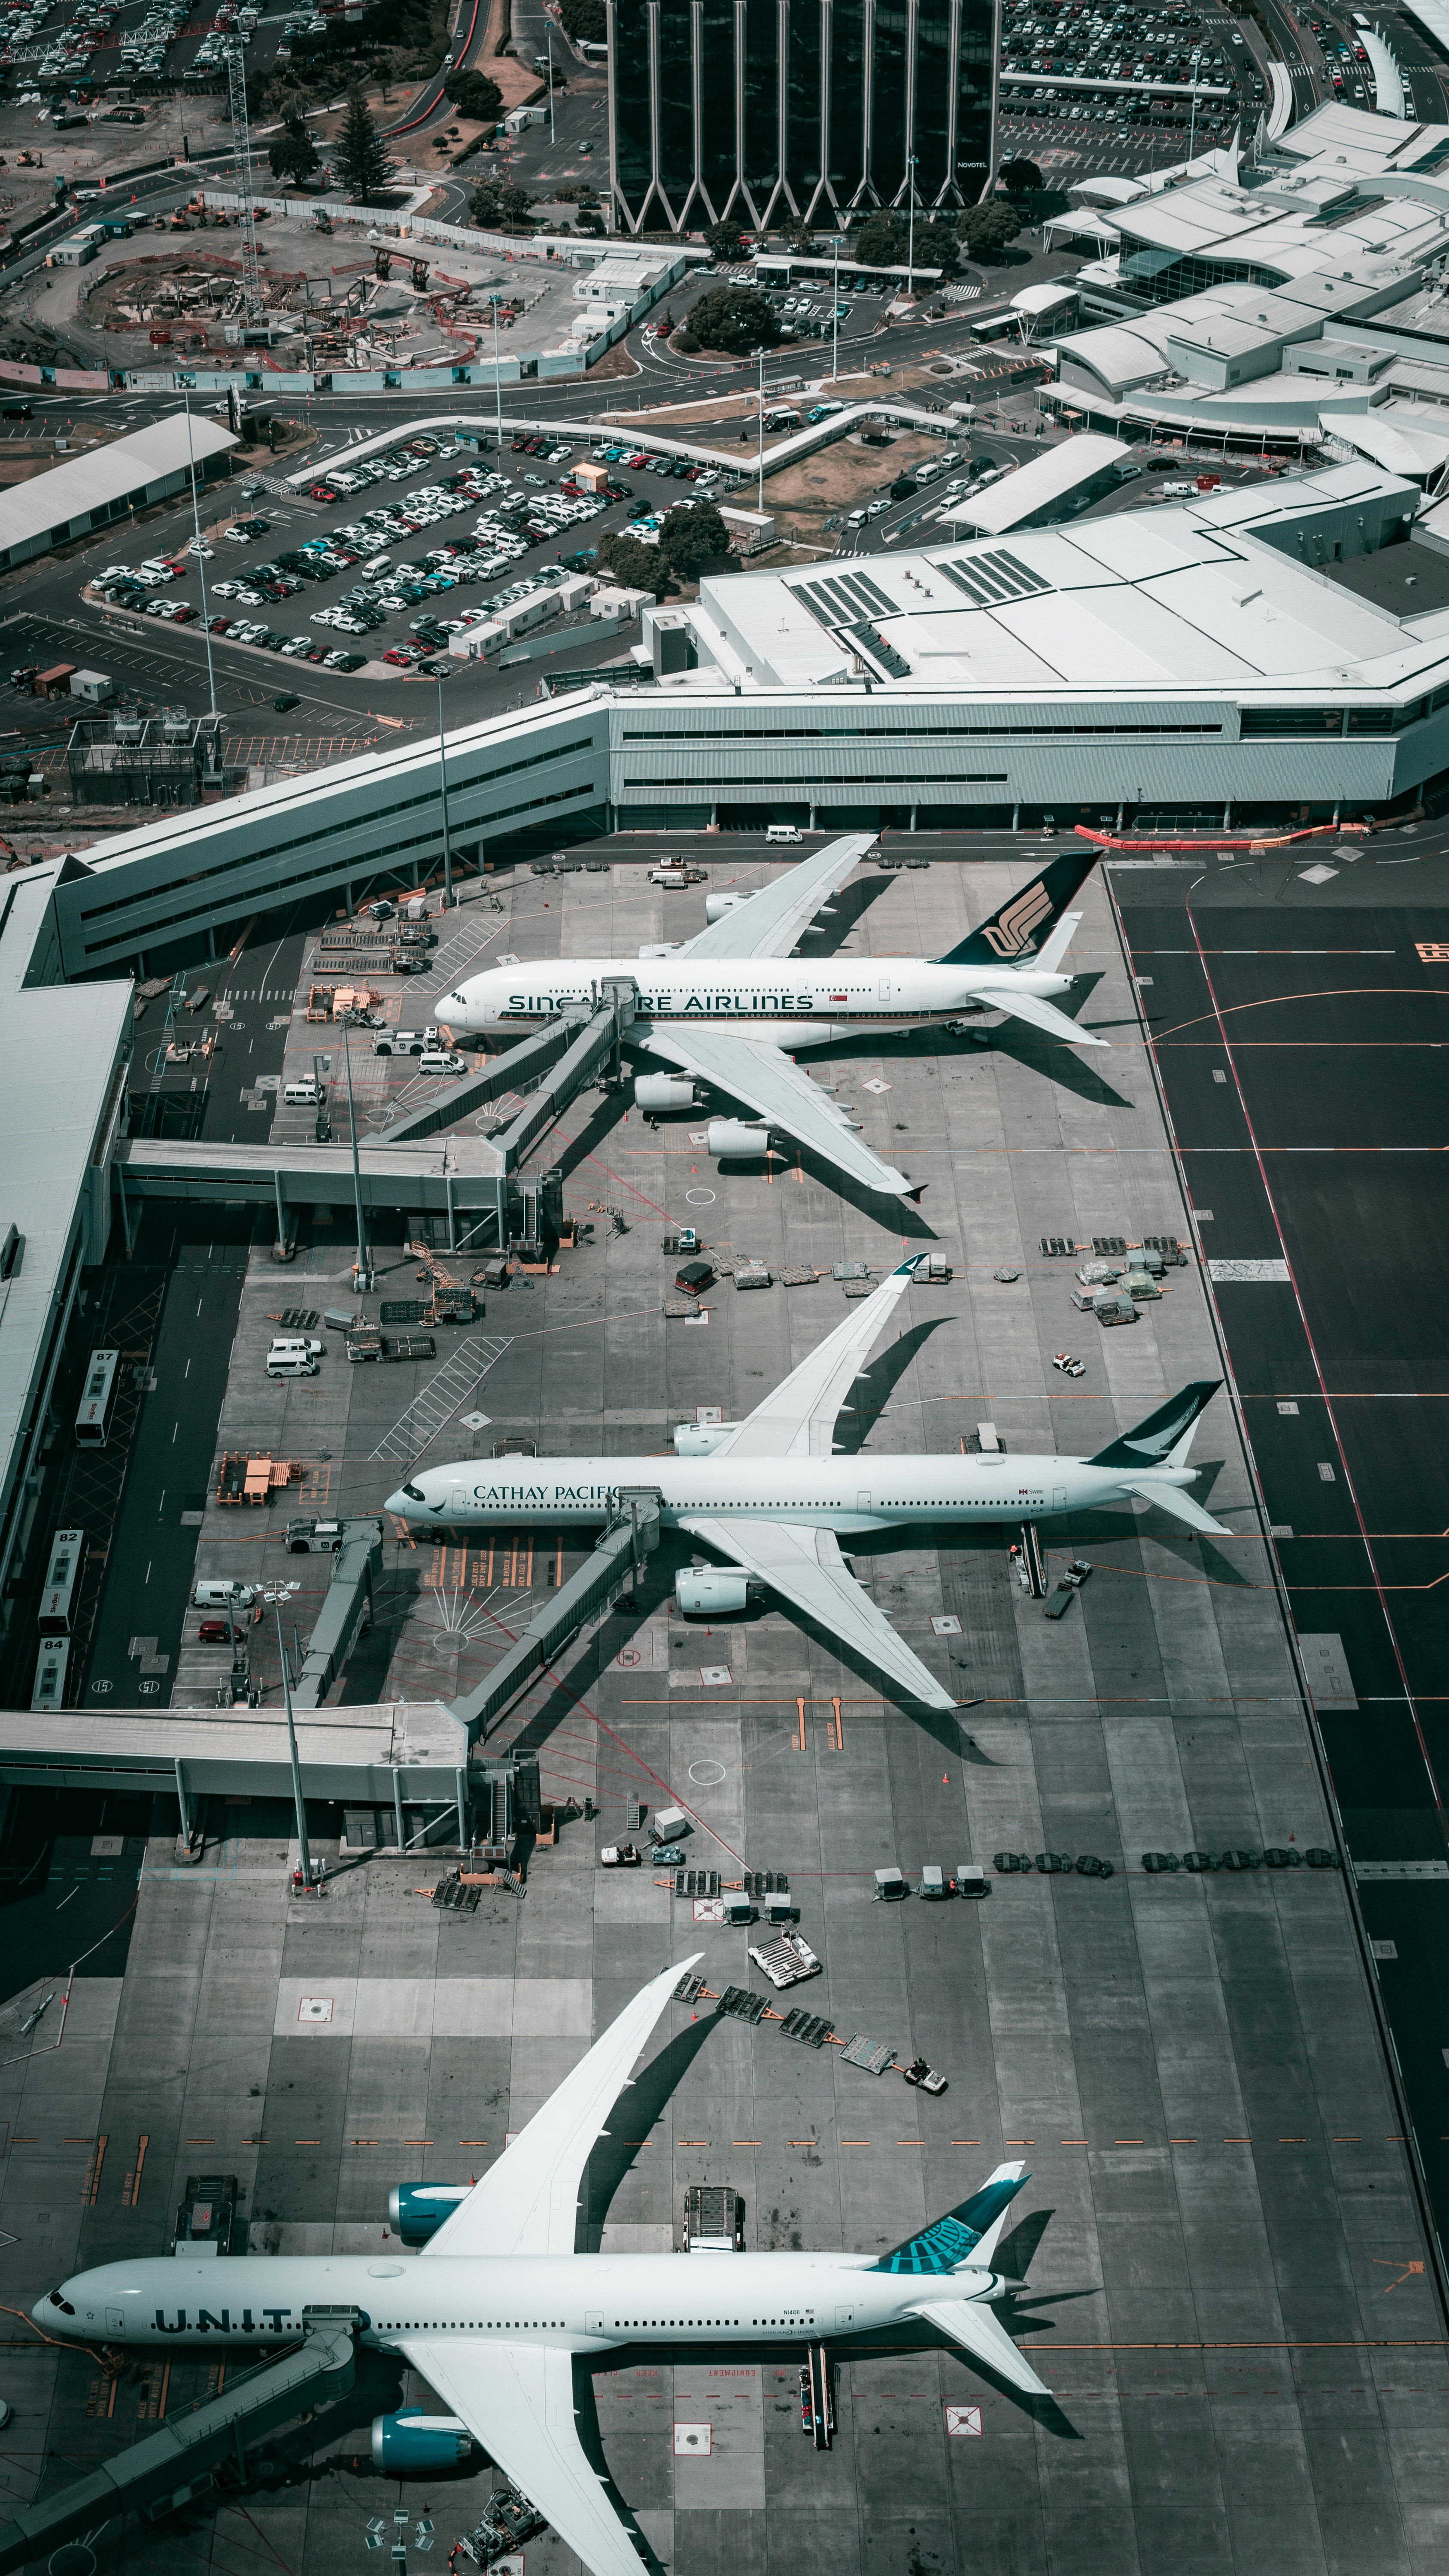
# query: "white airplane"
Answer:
x=725 y=1012
x=494 y=2310
x=769 y=1494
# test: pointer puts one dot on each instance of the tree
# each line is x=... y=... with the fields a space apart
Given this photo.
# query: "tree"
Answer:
x=586 y=21
x=474 y=94
x=635 y=565
x=882 y=240
x=803 y=239
x=1021 y=178
x=691 y=537
x=734 y=318
x=986 y=229
x=358 y=157
x=722 y=240
x=499 y=201
x=936 y=246
x=292 y=157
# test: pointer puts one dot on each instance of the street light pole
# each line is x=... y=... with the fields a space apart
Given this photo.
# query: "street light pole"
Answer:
x=552 y=138
x=911 y=232
x=760 y=494
x=1192 y=124
x=449 y=898
x=835 y=317
x=304 y=1854
x=200 y=558
x=497 y=379
x=362 y=1273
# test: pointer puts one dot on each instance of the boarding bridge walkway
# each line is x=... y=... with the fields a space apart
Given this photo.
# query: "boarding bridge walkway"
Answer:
x=176 y=2463
x=613 y=1567
x=551 y=1066
x=345 y=1612
x=415 y=1164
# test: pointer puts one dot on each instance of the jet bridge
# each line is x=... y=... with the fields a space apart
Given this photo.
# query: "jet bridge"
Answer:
x=617 y=1561
x=345 y=1613
x=177 y=2463
x=583 y=1034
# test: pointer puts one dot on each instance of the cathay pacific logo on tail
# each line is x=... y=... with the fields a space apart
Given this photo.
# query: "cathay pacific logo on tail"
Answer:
x=1167 y=1435
x=1011 y=933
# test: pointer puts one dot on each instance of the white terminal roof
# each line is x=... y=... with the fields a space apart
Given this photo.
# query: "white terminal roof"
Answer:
x=86 y=484
x=1184 y=597
x=1337 y=222
x=58 y=1046
x=1047 y=478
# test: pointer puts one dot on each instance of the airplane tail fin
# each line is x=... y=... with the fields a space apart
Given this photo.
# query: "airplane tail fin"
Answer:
x=1017 y=931
x=1058 y=940
x=967 y=2234
x=1165 y=1437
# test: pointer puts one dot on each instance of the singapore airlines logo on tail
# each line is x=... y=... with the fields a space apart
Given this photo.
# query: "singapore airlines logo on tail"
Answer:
x=1011 y=933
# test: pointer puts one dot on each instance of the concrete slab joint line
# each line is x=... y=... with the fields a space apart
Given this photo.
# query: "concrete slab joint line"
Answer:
x=449 y=1387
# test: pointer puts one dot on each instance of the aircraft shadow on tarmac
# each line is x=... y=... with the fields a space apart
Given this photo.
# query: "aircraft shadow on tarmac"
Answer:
x=612 y=2159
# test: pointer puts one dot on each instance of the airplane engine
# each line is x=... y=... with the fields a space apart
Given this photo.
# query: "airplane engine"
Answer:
x=726 y=1137
x=706 y=1595
x=654 y=1092
x=414 y=2442
x=417 y=2209
x=717 y=905
x=700 y=1439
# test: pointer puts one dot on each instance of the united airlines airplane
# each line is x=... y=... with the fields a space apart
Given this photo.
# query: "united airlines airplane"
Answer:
x=494 y=2310
x=769 y=1494
x=732 y=1007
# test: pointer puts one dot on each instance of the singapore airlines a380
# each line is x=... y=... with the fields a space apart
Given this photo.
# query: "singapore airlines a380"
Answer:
x=732 y=1007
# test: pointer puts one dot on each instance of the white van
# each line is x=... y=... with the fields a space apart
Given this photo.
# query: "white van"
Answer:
x=781 y=835
x=283 y=1343
x=434 y=1060
x=302 y=1095
x=290 y=1364
x=216 y=1596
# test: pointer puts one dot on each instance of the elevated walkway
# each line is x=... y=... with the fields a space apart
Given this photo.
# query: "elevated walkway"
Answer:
x=517 y=1069
x=631 y=1535
x=345 y=1612
x=404 y=1755
x=175 y=2463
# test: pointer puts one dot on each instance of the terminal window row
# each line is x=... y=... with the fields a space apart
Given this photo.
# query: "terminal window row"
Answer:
x=1259 y=722
x=457 y=786
x=839 y=778
x=907 y=733
x=113 y=939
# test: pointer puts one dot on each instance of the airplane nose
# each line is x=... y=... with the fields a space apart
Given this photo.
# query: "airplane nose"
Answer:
x=397 y=1504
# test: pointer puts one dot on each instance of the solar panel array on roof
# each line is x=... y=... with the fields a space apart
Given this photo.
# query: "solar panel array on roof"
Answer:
x=989 y=579
x=838 y=598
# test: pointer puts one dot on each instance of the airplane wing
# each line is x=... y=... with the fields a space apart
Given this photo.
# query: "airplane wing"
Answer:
x=1182 y=1506
x=805 y=1566
x=970 y=2323
x=517 y=2400
x=1038 y=1014
x=527 y=2203
x=772 y=920
x=797 y=1419
x=761 y=1073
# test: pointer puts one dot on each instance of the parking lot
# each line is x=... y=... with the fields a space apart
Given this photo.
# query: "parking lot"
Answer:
x=1141 y=67
x=388 y=611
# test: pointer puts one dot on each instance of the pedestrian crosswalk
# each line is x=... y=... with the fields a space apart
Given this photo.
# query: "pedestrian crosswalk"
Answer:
x=440 y=1399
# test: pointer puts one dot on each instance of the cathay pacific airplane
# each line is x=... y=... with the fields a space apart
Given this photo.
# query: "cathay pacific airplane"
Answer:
x=769 y=1494
x=497 y=2305
x=732 y=1007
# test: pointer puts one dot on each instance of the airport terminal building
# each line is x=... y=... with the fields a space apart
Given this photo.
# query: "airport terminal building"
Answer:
x=1202 y=661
